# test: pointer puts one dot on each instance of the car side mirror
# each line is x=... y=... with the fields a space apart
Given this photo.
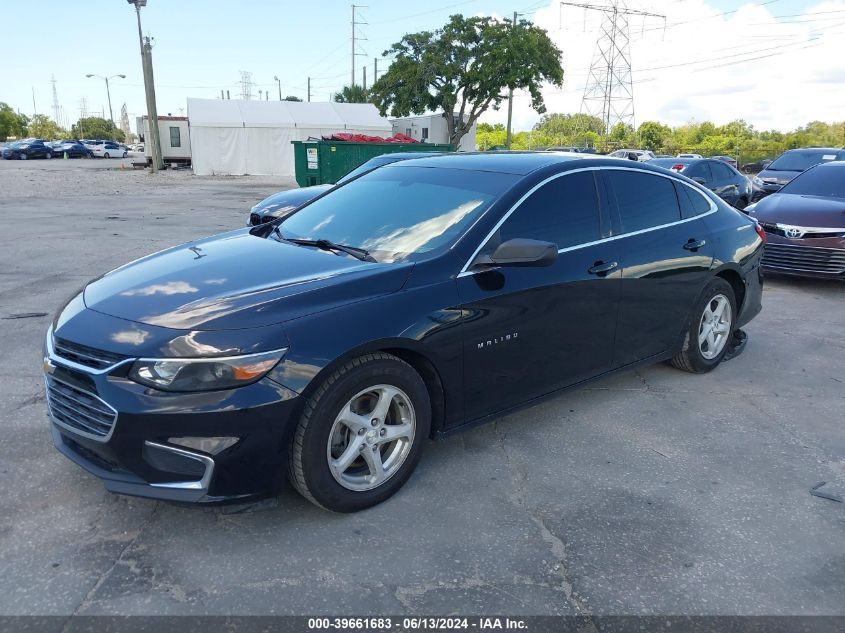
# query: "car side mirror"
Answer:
x=520 y=252
x=699 y=180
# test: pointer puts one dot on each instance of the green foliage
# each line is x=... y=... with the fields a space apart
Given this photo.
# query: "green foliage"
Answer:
x=652 y=135
x=353 y=94
x=291 y=98
x=12 y=124
x=465 y=68
x=96 y=127
x=42 y=126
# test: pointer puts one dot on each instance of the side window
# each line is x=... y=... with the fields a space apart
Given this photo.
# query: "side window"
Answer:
x=699 y=170
x=175 y=137
x=721 y=172
x=564 y=211
x=692 y=202
x=644 y=200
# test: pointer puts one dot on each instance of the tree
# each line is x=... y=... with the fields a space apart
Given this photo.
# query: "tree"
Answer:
x=353 y=94
x=11 y=123
x=96 y=127
x=464 y=68
x=652 y=134
x=42 y=126
x=291 y=98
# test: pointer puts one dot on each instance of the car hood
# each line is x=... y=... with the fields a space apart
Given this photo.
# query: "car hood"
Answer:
x=237 y=280
x=777 y=177
x=284 y=201
x=797 y=210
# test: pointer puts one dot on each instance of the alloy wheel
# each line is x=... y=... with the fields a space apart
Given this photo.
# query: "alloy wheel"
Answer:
x=715 y=326
x=371 y=437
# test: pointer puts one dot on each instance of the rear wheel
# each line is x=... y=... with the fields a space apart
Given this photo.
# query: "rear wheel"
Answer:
x=23 y=156
x=361 y=434
x=710 y=327
x=741 y=203
x=106 y=155
x=49 y=155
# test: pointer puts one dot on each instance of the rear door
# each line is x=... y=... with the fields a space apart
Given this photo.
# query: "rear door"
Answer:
x=665 y=260
x=724 y=183
x=529 y=331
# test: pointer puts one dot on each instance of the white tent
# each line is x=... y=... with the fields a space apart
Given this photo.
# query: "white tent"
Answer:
x=254 y=137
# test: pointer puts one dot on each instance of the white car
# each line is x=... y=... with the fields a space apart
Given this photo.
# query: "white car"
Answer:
x=695 y=156
x=107 y=149
x=642 y=154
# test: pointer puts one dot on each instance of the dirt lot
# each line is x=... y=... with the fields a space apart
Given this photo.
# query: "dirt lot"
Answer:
x=652 y=492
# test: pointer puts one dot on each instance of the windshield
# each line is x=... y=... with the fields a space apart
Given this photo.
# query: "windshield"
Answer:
x=363 y=168
x=398 y=212
x=801 y=161
x=821 y=181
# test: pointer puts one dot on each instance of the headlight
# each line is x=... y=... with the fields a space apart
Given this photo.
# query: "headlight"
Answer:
x=203 y=374
x=757 y=181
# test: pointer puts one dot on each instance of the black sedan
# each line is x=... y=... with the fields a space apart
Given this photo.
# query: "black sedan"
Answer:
x=718 y=176
x=414 y=301
x=71 y=149
x=805 y=222
x=285 y=202
x=788 y=165
x=29 y=148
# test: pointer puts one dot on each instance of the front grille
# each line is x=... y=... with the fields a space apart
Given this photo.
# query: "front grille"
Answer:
x=774 y=229
x=84 y=355
x=79 y=410
x=829 y=261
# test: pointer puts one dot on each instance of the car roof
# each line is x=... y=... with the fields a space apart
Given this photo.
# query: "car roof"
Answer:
x=807 y=150
x=405 y=155
x=517 y=163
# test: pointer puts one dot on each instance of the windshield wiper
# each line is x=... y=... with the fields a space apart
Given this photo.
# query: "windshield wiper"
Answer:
x=326 y=245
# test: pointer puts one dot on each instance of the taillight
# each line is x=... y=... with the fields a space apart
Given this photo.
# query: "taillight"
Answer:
x=678 y=167
x=760 y=232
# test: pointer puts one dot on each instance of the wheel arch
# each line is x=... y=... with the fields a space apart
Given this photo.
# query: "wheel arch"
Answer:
x=734 y=278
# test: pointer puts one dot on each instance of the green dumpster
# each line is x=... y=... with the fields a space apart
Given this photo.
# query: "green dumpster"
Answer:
x=325 y=162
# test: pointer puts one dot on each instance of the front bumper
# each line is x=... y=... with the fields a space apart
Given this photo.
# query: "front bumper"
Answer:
x=137 y=454
x=808 y=257
x=758 y=192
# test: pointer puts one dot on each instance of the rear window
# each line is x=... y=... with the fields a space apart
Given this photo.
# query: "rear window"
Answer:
x=801 y=161
x=644 y=200
x=820 y=181
x=692 y=202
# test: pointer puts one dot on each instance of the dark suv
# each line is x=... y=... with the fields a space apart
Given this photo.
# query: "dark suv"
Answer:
x=788 y=165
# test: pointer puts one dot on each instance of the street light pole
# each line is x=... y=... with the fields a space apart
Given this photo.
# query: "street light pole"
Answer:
x=278 y=81
x=108 y=91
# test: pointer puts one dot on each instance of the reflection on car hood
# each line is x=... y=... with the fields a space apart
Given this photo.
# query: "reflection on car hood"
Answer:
x=237 y=280
x=811 y=211
x=289 y=200
x=777 y=177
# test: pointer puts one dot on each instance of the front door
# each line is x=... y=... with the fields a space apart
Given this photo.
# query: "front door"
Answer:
x=529 y=331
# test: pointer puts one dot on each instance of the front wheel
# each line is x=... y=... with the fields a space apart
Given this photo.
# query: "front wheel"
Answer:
x=741 y=203
x=361 y=434
x=710 y=327
x=106 y=155
x=48 y=155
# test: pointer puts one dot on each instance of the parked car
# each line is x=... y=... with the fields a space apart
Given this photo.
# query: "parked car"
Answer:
x=403 y=305
x=756 y=166
x=642 y=154
x=107 y=149
x=285 y=202
x=572 y=148
x=726 y=159
x=805 y=223
x=788 y=165
x=690 y=156
x=28 y=148
x=719 y=177
x=73 y=149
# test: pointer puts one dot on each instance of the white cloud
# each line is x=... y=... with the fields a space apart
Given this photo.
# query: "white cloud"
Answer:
x=790 y=74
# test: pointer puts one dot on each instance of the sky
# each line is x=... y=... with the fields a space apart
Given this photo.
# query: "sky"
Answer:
x=775 y=63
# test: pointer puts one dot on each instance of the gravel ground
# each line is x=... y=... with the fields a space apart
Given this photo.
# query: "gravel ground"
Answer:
x=652 y=492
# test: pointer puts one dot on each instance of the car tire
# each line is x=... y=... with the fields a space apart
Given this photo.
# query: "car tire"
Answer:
x=22 y=156
x=699 y=356
x=337 y=447
x=48 y=155
x=125 y=154
x=741 y=203
x=106 y=155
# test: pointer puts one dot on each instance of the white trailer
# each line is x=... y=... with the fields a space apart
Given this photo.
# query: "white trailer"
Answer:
x=432 y=128
x=175 y=135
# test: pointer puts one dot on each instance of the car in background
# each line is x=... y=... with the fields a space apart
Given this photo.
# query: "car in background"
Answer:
x=689 y=156
x=726 y=159
x=73 y=149
x=719 y=177
x=805 y=223
x=136 y=147
x=788 y=165
x=285 y=202
x=642 y=154
x=107 y=149
x=756 y=166
x=28 y=148
x=572 y=148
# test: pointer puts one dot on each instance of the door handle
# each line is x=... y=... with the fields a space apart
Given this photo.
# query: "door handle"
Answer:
x=694 y=245
x=602 y=268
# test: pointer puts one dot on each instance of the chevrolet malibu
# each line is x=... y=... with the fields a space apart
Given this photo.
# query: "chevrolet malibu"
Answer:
x=417 y=300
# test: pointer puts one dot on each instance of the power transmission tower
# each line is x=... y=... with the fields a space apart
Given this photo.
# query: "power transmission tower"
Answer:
x=356 y=37
x=609 y=91
x=56 y=108
x=246 y=85
x=124 y=122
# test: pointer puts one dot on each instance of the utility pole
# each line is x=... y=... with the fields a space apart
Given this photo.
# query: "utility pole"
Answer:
x=375 y=69
x=365 y=77
x=309 y=89
x=279 y=82
x=149 y=89
x=510 y=99
x=34 y=109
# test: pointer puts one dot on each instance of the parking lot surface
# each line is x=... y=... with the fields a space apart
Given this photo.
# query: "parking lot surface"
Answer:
x=651 y=492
